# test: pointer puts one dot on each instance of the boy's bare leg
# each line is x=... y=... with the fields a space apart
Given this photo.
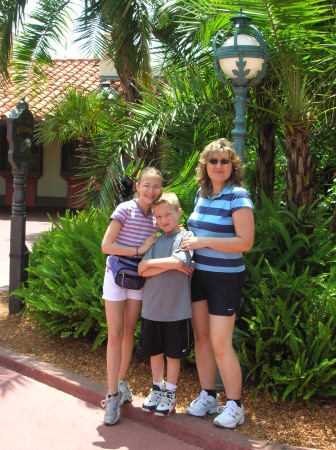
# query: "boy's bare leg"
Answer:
x=167 y=403
x=157 y=366
x=173 y=370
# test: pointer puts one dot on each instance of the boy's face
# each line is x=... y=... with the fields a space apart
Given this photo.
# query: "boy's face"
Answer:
x=167 y=218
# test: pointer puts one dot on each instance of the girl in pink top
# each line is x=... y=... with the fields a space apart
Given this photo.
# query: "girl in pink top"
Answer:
x=132 y=231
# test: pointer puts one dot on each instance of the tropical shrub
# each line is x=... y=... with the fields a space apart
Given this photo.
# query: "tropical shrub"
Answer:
x=65 y=277
x=287 y=334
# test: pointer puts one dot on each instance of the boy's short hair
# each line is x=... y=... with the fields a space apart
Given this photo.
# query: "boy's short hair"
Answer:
x=168 y=198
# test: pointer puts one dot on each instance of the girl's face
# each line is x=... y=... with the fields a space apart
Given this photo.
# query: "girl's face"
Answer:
x=149 y=188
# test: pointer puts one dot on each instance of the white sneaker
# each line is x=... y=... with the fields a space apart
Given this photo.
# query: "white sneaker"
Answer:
x=112 y=408
x=202 y=405
x=123 y=387
x=151 y=402
x=167 y=403
x=230 y=415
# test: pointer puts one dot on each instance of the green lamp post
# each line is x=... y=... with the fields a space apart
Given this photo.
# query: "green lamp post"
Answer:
x=242 y=58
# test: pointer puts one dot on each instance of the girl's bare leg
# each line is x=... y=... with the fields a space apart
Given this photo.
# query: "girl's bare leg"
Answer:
x=115 y=328
x=131 y=315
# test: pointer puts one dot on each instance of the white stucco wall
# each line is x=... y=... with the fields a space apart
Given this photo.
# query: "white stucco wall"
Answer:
x=51 y=184
x=107 y=69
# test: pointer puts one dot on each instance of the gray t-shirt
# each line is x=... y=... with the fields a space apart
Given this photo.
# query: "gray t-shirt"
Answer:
x=166 y=297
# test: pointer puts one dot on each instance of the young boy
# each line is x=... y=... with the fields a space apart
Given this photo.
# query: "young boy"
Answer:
x=166 y=305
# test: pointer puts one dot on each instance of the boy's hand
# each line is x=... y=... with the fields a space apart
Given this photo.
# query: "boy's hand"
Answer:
x=185 y=269
x=142 y=267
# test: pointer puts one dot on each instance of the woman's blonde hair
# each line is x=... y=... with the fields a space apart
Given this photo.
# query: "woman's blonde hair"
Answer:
x=219 y=146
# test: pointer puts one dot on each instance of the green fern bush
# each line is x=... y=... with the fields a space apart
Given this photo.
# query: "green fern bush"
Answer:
x=65 y=277
x=287 y=333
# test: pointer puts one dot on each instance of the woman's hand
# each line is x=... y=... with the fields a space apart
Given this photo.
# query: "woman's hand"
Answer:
x=243 y=222
x=189 y=243
x=148 y=242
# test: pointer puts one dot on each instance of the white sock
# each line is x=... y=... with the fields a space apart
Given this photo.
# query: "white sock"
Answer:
x=160 y=384
x=171 y=387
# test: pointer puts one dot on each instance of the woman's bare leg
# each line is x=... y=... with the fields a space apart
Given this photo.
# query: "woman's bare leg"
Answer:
x=205 y=358
x=221 y=337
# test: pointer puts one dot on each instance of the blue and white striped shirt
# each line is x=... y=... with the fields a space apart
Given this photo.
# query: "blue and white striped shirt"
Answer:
x=213 y=218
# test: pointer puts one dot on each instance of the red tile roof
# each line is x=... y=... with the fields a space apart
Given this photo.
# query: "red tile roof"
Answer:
x=63 y=73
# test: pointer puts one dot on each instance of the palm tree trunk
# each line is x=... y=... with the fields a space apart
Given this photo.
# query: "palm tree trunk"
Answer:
x=126 y=78
x=265 y=165
x=300 y=169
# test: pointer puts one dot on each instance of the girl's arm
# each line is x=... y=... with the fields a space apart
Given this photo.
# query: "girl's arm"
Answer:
x=109 y=246
x=243 y=221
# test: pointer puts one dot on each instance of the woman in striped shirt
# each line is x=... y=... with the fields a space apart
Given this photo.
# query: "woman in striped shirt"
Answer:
x=223 y=225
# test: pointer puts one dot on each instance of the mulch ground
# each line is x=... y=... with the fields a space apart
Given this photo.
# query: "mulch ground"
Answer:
x=302 y=425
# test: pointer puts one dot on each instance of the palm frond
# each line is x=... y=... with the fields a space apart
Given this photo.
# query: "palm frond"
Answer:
x=47 y=25
x=91 y=30
x=11 y=17
x=79 y=115
x=131 y=27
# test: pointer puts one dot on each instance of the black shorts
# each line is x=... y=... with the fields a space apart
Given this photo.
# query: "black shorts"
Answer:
x=171 y=338
x=222 y=291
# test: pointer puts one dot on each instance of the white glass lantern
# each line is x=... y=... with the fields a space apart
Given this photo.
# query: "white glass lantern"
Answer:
x=254 y=65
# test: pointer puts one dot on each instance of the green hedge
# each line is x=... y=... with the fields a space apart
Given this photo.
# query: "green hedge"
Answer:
x=287 y=335
x=65 y=277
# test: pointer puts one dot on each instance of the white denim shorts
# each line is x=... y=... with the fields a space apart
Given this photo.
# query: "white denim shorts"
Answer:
x=114 y=293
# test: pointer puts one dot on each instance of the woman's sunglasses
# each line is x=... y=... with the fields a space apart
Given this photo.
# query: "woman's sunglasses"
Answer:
x=215 y=161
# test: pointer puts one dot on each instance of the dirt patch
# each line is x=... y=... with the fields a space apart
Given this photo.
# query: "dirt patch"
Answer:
x=311 y=426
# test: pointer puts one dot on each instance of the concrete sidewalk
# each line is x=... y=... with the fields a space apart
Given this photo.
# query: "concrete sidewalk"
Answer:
x=63 y=412
x=36 y=222
x=36 y=416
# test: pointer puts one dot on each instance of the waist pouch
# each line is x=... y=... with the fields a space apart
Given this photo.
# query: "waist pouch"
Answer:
x=125 y=272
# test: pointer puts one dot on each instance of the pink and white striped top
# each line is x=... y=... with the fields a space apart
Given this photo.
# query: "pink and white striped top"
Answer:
x=136 y=226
